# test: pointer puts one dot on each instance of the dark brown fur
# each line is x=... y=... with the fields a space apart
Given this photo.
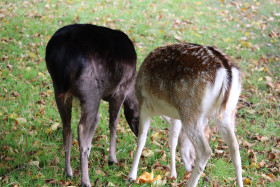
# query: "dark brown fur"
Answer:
x=92 y=63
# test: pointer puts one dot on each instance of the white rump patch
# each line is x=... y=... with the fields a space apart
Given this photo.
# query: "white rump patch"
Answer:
x=214 y=91
x=234 y=91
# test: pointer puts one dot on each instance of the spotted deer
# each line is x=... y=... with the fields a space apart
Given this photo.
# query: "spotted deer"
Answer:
x=91 y=63
x=190 y=83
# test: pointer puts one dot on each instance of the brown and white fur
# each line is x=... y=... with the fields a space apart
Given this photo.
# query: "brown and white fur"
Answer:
x=191 y=83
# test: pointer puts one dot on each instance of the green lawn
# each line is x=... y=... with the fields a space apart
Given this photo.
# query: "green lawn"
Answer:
x=31 y=149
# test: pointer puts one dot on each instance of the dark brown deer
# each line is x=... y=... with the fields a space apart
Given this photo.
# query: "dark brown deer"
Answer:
x=92 y=63
x=191 y=83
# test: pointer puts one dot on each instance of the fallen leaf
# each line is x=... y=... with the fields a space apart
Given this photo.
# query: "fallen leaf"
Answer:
x=158 y=181
x=266 y=177
x=264 y=138
x=41 y=74
x=247 y=181
x=228 y=40
x=253 y=165
x=252 y=156
x=131 y=154
x=145 y=178
x=15 y=94
x=270 y=175
x=99 y=172
x=261 y=163
x=276 y=14
x=156 y=135
x=148 y=178
x=21 y=120
x=271 y=156
x=187 y=175
x=269 y=81
x=275 y=151
x=34 y=163
x=75 y=143
x=48 y=130
x=246 y=44
x=52 y=181
x=54 y=126
x=110 y=184
x=219 y=151
x=147 y=153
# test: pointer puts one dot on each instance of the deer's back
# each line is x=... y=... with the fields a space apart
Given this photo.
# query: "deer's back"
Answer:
x=101 y=53
x=180 y=73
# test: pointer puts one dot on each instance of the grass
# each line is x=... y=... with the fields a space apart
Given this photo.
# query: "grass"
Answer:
x=246 y=30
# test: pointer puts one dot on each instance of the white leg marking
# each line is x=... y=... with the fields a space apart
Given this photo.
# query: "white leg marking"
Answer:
x=174 y=131
x=144 y=125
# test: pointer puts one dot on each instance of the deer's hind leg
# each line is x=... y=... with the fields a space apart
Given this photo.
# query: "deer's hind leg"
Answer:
x=64 y=106
x=90 y=101
x=114 y=111
x=194 y=130
x=226 y=128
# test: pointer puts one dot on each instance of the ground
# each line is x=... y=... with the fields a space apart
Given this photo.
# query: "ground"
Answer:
x=31 y=150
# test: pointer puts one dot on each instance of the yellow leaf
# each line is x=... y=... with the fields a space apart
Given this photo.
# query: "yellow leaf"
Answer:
x=32 y=55
x=254 y=165
x=49 y=91
x=246 y=44
x=260 y=79
x=228 y=40
x=41 y=74
x=270 y=175
x=156 y=135
x=197 y=35
x=75 y=143
x=198 y=3
x=145 y=178
x=254 y=61
x=247 y=181
x=48 y=130
x=13 y=116
x=148 y=178
x=158 y=177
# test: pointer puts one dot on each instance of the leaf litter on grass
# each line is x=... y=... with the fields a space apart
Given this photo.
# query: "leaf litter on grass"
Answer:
x=247 y=30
